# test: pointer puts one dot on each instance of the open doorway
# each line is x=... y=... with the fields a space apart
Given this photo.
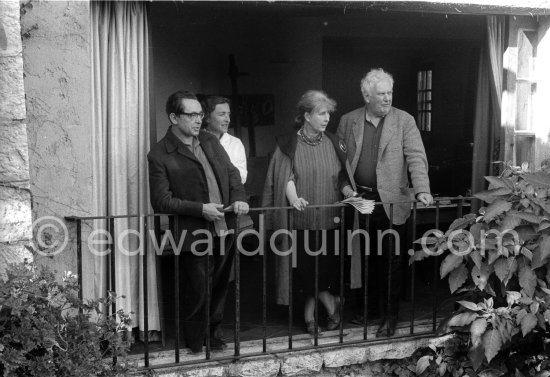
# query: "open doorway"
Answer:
x=284 y=49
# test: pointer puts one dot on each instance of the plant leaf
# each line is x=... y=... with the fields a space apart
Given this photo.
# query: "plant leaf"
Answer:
x=423 y=363
x=509 y=222
x=476 y=354
x=512 y=297
x=527 y=280
x=481 y=276
x=450 y=262
x=462 y=319
x=476 y=258
x=545 y=224
x=469 y=305
x=538 y=179
x=457 y=277
x=492 y=343
x=496 y=182
x=502 y=268
x=528 y=323
x=529 y=217
x=477 y=329
x=461 y=223
x=496 y=208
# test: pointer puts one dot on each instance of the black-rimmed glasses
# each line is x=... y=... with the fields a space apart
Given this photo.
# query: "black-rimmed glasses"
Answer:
x=194 y=116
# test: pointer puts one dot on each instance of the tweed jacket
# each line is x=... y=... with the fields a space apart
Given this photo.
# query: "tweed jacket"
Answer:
x=400 y=148
x=177 y=182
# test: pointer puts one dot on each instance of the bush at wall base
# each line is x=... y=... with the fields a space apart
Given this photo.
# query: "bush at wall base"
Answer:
x=46 y=330
x=498 y=267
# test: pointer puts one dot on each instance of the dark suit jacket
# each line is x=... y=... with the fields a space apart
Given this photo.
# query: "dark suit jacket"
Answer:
x=177 y=182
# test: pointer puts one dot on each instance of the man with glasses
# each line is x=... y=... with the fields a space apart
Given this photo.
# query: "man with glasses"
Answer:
x=190 y=175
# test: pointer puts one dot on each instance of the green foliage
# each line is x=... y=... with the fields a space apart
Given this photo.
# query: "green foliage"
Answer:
x=46 y=330
x=499 y=264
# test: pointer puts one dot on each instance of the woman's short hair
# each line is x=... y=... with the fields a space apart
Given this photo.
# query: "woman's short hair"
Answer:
x=209 y=104
x=372 y=78
x=311 y=100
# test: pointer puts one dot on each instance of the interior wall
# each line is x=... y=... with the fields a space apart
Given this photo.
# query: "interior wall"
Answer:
x=281 y=52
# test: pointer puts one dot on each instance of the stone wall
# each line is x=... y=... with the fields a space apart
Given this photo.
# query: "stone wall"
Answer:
x=57 y=63
x=15 y=194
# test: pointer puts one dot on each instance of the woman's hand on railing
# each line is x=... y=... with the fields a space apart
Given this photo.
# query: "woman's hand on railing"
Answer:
x=300 y=204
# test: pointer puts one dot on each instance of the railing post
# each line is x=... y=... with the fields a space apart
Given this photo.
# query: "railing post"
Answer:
x=237 y=298
x=264 y=294
x=145 y=293
x=413 y=267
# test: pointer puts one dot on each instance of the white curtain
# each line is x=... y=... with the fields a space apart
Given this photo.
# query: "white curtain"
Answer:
x=120 y=70
x=488 y=133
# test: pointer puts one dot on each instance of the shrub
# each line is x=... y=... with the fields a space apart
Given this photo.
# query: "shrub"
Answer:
x=46 y=330
x=500 y=269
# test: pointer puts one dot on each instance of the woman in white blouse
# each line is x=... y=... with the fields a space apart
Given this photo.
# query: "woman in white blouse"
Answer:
x=217 y=116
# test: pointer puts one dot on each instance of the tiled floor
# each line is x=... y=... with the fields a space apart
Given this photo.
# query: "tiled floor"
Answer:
x=277 y=324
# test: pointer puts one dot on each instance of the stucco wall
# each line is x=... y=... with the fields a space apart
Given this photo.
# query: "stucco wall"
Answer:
x=56 y=52
x=15 y=197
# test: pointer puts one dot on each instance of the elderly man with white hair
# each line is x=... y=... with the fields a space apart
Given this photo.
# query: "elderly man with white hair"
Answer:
x=383 y=144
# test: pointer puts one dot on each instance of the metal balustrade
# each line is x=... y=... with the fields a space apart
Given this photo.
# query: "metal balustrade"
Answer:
x=455 y=204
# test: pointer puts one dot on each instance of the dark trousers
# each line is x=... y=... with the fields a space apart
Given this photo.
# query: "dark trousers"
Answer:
x=195 y=292
x=380 y=267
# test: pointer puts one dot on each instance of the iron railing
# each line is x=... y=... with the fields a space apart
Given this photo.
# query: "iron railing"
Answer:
x=454 y=208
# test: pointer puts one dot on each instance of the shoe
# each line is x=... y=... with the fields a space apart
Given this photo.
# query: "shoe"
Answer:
x=386 y=327
x=217 y=344
x=310 y=328
x=333 y=321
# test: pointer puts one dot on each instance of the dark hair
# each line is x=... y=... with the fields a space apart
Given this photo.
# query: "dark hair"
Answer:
x=309 y=101
x=209 y=104
x=174 y=103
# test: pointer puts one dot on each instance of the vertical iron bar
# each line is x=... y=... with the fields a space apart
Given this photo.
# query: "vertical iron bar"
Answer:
x=290 y=215
x=112 y=259
x=209 y=253
x=264 y=295
x=316 y=292
x=145 y=293
x=177 y=289
x=237 y=298
x=79 y=256
x=459 y=208
x=341 y=249
x=366 y=277
x=113 y=270
x=390 y=260
x=413 y=267
x=435 y=272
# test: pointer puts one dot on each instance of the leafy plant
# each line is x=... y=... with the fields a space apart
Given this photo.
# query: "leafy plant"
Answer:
x=46 y=330
x=499 y=264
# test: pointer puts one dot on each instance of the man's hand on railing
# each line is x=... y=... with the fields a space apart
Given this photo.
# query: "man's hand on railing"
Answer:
x=424 y=197
x=212 y=211
x=240 y=208
x=300 y=204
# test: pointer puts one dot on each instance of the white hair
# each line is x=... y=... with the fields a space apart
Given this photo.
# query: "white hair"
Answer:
x=375 y=75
